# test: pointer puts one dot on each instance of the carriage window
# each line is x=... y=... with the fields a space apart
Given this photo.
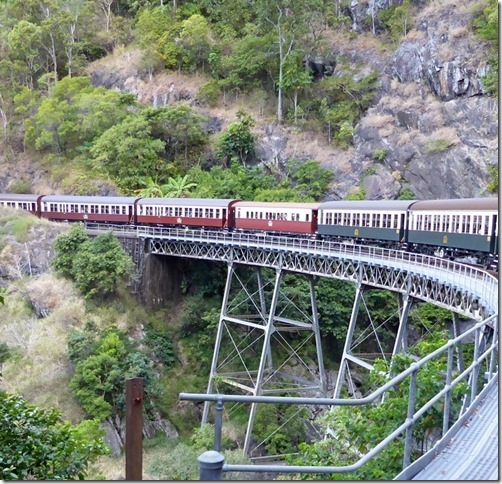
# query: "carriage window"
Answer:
x=365 y=222
x=329 y=218
x=211 y=213
x=217 y=213
x=189 y=212
x=177 y=211
x=105 y=209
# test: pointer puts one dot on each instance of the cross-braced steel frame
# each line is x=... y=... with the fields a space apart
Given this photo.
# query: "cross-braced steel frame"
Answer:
x=255 y=317
x=462 y=289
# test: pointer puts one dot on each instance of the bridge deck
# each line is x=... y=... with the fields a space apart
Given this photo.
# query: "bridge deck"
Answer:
x=472 y=453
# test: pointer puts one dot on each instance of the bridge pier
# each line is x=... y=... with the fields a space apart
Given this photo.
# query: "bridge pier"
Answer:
x=256 y=315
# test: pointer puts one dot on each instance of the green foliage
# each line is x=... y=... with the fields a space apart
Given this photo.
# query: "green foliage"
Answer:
x=430 y=317
x=5 y=351
x=437 y=145
x=398 y=19
x=309 y=178
x=74 y=113
x=237 y=143
x=96 y=266
x=195 y=40
x=379 y=154
x=486 y=25
x=128 y=151
x=178 y=187
x=101 y=371
x=356 y=430
x=66 y=248
x=406 y=193
x=178 y=464
x=246 y=66
x=493 y=184
x=20 y=186
x=209 y=93
x=340 y=101
x=281 y=427
x=99 y=265
x=161 y=346
x=37 y=444
x=357 y=193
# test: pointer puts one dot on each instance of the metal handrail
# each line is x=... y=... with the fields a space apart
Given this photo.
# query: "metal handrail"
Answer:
x=412 y=416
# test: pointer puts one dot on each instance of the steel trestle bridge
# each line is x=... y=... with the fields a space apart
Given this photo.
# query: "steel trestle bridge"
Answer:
x=256 y=311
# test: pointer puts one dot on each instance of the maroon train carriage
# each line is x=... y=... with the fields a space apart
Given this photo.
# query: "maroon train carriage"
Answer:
x=28 y=202
x=293 y=218
x=88 y=208
x=186 y=212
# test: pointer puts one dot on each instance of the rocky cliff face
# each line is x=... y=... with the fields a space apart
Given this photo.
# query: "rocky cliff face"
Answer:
x=432 y=129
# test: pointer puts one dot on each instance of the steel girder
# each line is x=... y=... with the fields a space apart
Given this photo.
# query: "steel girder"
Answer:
x=374 y=272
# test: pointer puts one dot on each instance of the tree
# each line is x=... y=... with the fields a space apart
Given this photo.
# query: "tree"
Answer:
x=37 y=444
x=195 y=38
x=177 y=187
x=99 y=266
x=25 y=57
x=238 y=140
x=295 y=78
x=66 y=248
x=96 y=266
x=127 y=151
x=290 y=21
x=74 y=113
x=104 y=360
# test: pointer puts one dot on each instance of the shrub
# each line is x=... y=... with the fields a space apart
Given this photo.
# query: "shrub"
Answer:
x=36 y=444
x=209 y=93
x=379 y=154
x=95 y=265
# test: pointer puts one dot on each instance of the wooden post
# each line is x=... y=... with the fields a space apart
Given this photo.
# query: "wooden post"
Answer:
x=134 y=429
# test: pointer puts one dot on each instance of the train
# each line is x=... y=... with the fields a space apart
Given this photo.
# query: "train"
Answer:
x=464 y=230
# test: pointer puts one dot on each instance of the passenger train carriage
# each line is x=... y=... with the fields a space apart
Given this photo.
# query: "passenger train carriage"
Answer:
x=30 y=203
x=383 y=220
x=193 y=212
x=299 y=218
x=81 y=208
x=456 y=229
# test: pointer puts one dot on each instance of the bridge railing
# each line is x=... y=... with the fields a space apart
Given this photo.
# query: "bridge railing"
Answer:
x=475 y=280
x=212 y=463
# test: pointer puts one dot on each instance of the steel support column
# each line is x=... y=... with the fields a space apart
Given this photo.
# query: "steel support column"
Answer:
x=348 y=343
x=401 y=342
x=219 y=335
x=269 y=329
